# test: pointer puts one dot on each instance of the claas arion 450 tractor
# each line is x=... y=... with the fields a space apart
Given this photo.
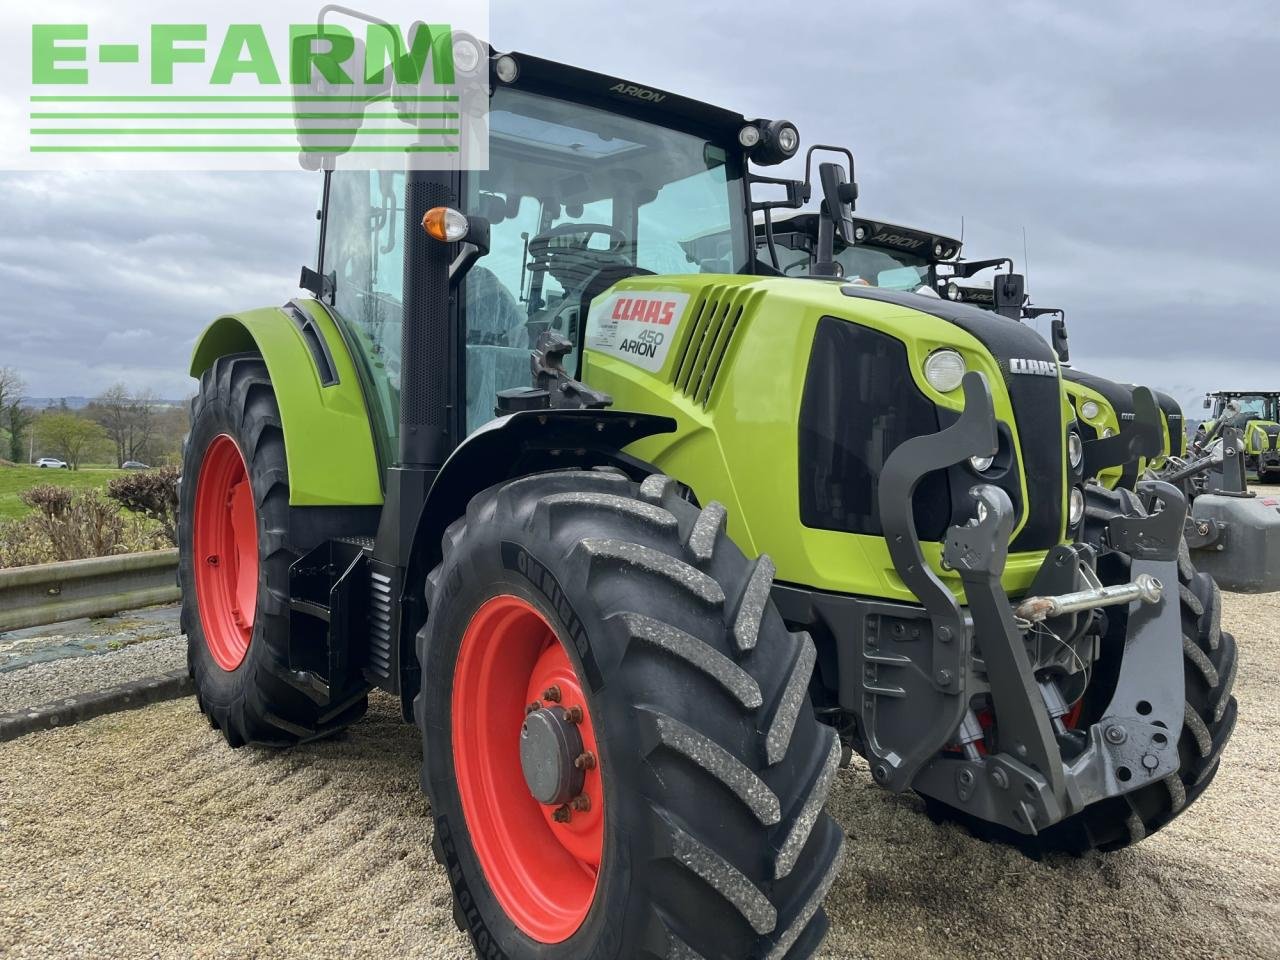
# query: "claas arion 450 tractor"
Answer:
x=647 y=543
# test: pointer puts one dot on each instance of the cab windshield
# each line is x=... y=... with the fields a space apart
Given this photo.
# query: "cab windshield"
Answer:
x=1253 y=406
x=580 y=198
x=860 y=263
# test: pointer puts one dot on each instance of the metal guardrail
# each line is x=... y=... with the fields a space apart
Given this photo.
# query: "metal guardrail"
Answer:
x=99 y=587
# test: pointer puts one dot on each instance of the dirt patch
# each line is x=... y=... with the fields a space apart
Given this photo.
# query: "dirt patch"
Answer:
x=142 y=835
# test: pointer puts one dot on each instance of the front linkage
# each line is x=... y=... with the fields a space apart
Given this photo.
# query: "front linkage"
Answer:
x=1036 y=772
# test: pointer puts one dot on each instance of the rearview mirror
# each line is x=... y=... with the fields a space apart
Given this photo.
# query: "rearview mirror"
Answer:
x=1008 y=293
x=1058 y=333
x=838 y=195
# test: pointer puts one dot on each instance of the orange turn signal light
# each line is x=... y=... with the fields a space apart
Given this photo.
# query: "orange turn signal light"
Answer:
x=445 y=224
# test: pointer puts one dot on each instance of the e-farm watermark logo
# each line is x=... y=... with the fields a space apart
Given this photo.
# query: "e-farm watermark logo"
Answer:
x=245 y=85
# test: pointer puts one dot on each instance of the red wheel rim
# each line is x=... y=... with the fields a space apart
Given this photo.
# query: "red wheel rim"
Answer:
x=225 y=553
x=542 y=871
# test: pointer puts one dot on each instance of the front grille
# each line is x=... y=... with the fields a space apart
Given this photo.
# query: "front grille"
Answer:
x=1036 y=401
x=715 y=318
x=860 y=403
x=1120 y=398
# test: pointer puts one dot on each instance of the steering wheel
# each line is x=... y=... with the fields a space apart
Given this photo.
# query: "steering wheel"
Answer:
x=540 y=244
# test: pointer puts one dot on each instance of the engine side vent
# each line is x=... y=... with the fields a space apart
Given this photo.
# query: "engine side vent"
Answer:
x=714 y=319
x=380 y=625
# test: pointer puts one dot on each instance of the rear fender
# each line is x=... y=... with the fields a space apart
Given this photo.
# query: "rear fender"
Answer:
x=328 y=439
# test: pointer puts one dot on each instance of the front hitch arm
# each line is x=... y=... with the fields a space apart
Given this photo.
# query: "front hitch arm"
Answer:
x=895 y=752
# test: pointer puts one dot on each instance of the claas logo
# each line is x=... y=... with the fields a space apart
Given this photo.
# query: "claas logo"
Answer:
x=661 y=312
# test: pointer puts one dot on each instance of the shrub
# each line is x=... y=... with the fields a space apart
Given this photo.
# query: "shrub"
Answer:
x=154 y=494
x=48 y=499
x=72 y=525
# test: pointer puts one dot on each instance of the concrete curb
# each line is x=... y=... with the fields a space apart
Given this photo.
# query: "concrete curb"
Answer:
x=86 y=706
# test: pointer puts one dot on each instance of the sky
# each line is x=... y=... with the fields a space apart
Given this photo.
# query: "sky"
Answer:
x=1135 y=143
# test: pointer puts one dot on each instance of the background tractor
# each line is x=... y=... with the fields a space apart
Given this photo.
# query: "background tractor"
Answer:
x=646 y=541
x=1256 y=414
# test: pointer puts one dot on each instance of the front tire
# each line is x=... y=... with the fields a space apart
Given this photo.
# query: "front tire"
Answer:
x=233 y=565
x=702 y=832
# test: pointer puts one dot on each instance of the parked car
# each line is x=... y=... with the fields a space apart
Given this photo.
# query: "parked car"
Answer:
x=134 y=465
x=52 y=463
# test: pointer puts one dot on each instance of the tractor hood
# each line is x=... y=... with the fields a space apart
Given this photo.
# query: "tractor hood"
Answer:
x=791 y=394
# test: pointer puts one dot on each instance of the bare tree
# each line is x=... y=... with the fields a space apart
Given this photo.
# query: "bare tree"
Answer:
x=113 y=410
x=11 y=386
x=129 y=420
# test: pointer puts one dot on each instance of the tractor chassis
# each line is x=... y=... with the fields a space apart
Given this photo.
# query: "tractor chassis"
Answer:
x=906 y=673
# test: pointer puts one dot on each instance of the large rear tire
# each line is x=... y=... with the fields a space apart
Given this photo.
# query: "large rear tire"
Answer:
x=1209 y=667
x=234 y=558
x=702 y=832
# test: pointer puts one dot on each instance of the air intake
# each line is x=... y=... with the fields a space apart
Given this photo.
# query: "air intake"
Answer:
x=715 y=318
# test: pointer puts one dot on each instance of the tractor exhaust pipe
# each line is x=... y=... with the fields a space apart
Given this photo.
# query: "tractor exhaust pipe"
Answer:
x=427 y=349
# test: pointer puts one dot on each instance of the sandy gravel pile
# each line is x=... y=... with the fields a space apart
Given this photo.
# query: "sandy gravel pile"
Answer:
x=142 y=835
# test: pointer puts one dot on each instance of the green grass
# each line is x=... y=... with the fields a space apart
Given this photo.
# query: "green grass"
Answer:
x=13 y=480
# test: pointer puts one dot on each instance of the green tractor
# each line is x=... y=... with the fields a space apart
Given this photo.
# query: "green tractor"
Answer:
x=1256 y=414
x=647 y=544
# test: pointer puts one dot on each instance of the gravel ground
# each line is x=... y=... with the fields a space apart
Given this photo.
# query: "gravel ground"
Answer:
x=52 y=680
x=167 y=844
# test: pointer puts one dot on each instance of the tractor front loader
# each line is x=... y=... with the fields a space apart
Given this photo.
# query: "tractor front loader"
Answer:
x=646 y=538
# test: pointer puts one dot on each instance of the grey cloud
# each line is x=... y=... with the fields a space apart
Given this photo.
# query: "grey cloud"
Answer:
x=1136 y=143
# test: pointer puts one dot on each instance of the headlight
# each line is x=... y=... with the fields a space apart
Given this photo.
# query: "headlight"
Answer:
x=1075 y=449
x=981 y=464
x=1076 y=512
x=1090 y=409
x=954 y=292
x=1107 y=433
x=944 y=369
x=749 y=136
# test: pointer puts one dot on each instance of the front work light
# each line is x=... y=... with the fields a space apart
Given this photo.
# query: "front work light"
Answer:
x=773 y=142
x=944 y=369
x=506 y=69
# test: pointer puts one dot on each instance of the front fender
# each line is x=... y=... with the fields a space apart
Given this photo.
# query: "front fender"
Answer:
x=521 y=444
x=328 y=439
